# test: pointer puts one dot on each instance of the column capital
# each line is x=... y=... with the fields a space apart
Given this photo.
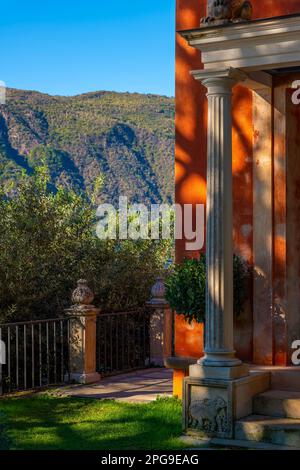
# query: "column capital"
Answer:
x=226 y=77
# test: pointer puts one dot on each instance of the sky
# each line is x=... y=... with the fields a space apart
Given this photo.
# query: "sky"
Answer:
x=71 y=47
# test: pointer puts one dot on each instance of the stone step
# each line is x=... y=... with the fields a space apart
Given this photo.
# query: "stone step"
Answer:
x=220 y=443
x=278 y=431
x=286 y=379
x=282 y=378
x=278 y=403
x=253 y=445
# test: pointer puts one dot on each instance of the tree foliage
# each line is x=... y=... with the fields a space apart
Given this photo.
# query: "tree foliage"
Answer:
x=48 y=241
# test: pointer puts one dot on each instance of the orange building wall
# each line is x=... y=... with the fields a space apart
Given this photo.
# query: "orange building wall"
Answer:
x=190 y=157
x=190 y=150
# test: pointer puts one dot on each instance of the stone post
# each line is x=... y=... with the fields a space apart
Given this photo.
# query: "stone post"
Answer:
x=160 y=324
x=82 y=339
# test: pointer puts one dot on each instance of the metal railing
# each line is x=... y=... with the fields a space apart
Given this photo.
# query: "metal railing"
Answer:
x=123 y=341
x=37 y=354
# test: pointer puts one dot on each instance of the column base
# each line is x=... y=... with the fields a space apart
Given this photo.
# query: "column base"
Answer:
x=220 y=359
x=224 y=373
x=84 y=379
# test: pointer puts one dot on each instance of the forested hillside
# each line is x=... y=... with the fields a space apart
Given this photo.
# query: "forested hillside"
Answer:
x=122 y=142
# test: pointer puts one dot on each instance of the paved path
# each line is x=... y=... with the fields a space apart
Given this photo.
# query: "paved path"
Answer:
x=141 y=386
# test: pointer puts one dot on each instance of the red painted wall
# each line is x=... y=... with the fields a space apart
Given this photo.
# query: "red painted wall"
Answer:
x=190 y=156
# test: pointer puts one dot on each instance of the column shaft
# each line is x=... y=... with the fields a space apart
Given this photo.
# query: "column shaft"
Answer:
x=219 y=254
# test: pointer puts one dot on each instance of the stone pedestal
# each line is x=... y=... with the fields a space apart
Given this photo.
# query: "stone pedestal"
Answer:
x=82 y=344
x=82 y=336
x=212 y=405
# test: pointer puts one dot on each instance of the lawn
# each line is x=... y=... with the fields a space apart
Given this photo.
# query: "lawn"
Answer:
x=48 y=422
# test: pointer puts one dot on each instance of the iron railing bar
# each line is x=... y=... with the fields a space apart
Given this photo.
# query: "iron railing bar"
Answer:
x=117 y=344
x=47 y=353
x=17 y=357
x=32 y=358
x=54 y=352
x=144 y=338
x=111 y=345
x=98 y=333
x=1 y=368
x=123 y=343
x=128 y=342
x=68 y=341
x=40 y=354
x=25 y=356
x=8 y=359
x=138 y=358
x=105 y=347
x=62 y=351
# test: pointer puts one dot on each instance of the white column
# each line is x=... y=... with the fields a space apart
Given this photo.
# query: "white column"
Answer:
x=219 y=255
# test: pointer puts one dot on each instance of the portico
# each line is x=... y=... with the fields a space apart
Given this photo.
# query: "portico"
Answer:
x=252 y=54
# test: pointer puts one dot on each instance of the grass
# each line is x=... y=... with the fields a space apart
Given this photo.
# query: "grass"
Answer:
x=48 y=422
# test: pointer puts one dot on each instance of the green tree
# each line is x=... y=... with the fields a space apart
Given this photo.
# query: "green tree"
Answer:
x=48 y=241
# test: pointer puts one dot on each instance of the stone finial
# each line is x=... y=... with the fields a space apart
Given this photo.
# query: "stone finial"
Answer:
x=82 y=295
x=158 y=292
x=225 y=11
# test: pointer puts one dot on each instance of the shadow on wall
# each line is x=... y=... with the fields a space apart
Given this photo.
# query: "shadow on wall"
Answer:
x=191 y=121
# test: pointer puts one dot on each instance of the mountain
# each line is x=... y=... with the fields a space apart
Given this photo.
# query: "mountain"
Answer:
x=124 y=140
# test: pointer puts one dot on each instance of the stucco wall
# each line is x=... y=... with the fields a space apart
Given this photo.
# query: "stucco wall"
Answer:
x=190 y=153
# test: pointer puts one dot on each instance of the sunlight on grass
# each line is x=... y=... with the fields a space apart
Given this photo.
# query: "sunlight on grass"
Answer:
x=47 y=422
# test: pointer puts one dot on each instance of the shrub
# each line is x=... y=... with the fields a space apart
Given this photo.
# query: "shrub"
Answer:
x=185 y=288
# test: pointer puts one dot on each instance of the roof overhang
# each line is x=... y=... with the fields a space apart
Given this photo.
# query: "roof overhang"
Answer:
x=271 y=43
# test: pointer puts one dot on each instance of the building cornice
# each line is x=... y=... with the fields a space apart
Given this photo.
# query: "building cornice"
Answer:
x=254 y=45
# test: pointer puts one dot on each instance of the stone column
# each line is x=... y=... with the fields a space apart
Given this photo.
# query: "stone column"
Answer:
x=160 y=324
x=219 y=351
x=82 y=338
x=219 y=389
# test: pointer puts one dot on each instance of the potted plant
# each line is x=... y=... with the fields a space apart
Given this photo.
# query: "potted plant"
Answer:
x=185 y=288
